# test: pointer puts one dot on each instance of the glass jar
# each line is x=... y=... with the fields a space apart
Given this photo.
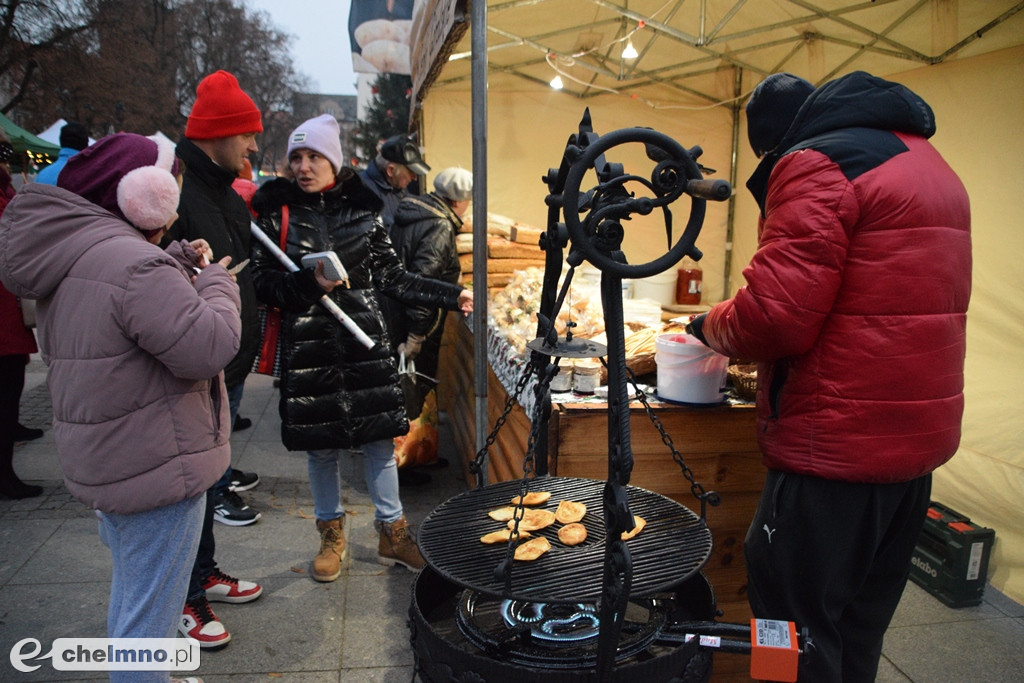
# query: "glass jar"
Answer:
x=688 y=283
x=586 y=376
x=563 y=380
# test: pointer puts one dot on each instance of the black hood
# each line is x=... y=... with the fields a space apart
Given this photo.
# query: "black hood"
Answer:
x=857 y=100
x=860 y=100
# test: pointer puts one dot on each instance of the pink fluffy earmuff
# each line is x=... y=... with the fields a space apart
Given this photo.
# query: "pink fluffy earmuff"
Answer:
x=148 y=195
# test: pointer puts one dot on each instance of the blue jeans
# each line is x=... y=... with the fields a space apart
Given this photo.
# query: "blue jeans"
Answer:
x=381 y=474
x=152 y=554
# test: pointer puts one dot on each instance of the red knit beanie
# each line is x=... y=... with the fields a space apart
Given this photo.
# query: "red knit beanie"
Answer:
x=222 y=109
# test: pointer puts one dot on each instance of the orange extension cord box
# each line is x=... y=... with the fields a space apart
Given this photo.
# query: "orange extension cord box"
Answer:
x=774 y=650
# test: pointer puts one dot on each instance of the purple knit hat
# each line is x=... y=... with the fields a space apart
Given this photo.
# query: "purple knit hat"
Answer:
x=320 y=134
x=129 y=175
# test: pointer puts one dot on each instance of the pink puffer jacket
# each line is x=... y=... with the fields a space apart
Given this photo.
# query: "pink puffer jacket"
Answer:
x=135 y=350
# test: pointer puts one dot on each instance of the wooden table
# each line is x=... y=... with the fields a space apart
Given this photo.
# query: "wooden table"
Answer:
x=717 y=443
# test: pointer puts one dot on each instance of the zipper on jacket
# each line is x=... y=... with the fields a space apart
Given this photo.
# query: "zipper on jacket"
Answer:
x=215 y=403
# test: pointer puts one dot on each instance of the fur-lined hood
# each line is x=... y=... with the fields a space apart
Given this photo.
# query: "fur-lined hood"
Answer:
x=348 y=189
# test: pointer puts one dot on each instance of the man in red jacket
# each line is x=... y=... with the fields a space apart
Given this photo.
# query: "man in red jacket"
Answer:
x=855 y=310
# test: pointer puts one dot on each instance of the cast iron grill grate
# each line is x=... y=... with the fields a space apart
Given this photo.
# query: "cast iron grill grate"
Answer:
x=673 y=546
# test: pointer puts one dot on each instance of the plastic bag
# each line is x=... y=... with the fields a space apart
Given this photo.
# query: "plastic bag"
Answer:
x=419 y=446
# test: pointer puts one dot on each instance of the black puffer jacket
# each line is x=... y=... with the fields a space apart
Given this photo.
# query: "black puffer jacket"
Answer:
x=210 y=209
x=424 y=238
x=335 y=393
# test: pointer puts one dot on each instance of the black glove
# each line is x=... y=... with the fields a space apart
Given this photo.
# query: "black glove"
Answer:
x=412 y=346
x=696 y=328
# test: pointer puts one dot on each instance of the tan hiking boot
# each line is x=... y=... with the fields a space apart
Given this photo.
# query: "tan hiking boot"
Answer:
x=333 y=553
x=397 y=546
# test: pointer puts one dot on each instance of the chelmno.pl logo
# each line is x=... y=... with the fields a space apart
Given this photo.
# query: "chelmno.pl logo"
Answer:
x=108 y=654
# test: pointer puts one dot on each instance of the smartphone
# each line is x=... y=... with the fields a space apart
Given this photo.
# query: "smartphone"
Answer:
x=333 y=270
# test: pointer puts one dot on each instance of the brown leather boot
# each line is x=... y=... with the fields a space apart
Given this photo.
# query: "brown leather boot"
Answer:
x=333 y=553
x=397 y=546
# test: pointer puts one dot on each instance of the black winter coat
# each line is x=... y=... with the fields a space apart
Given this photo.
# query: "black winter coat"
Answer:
x=210 y=209
x=424 y=238
x=335 y=393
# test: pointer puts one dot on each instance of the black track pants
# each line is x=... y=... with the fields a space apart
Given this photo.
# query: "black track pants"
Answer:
x=834 y=557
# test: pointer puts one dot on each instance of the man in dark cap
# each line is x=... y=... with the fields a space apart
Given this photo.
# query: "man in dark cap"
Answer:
x=73 y=139
x=399 y=162
x=855 y=309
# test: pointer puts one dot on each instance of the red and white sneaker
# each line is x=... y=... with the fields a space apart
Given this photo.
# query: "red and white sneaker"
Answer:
x=198 y=621
x=220 y=587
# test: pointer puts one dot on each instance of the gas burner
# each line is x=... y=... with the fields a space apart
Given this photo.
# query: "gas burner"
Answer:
x=554 y=622
x=554 y=635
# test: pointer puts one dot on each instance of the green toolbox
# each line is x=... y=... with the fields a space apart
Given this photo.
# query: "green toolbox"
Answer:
x=950 y=560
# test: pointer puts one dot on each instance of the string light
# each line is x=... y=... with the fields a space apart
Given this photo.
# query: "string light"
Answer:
x=559 y=63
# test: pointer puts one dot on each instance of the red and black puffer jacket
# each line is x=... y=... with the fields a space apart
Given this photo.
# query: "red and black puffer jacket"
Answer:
x=856 y=299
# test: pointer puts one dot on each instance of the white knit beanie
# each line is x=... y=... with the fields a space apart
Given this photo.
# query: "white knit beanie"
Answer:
x=320 y=134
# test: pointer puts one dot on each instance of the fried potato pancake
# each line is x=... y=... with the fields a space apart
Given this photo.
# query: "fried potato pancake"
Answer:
x=533 y=498
x=640 y=523
x=534 y=519
x=569 y=511
x=501 y=536
x=532 y=549
x=572 y=534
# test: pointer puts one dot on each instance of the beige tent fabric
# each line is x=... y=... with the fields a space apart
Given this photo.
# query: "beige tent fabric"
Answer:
x=527 y=134
x=977 y=103
x=978 y=106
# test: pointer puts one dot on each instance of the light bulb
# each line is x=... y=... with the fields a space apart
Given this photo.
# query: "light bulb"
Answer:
x=629 y=52
x=556 y=82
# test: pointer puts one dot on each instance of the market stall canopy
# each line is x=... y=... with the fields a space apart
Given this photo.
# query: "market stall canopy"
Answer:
x=23 y=141
x=687 y=51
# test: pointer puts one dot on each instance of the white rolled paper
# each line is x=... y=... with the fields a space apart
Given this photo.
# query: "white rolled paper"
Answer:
x=325 y=300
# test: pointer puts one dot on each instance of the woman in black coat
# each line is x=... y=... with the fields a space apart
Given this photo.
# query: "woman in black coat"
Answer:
x=335 y=393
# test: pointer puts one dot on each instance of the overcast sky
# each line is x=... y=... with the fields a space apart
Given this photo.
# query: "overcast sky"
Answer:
x=319 y=47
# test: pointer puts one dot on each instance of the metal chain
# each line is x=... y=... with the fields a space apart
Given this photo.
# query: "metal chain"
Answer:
x=476 y=465
x=696 y=488
x=504 y=570
x=541 y=390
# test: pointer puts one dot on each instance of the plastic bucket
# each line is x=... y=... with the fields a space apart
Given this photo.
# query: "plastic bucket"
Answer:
x=688 y=371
